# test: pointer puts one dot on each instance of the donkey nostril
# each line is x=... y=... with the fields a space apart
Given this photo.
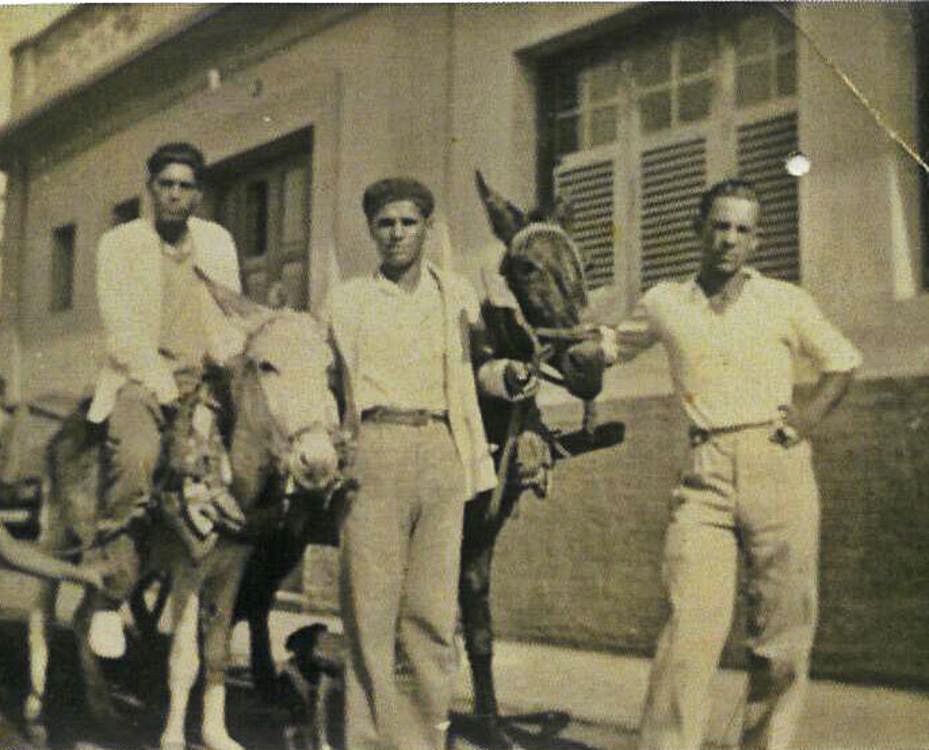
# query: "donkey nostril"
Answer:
x=318 y=458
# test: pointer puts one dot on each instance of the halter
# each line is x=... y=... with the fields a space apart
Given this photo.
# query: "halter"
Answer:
x=522 y=237
x=282 y=440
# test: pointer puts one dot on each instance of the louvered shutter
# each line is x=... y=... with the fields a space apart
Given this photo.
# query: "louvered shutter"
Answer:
x=589 y=187
x=672 y=180
x=762 y=148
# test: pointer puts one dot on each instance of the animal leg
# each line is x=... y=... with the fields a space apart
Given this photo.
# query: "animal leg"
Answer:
x=183 y=663
x=99 y=702
x=474 y=599
x=262 y=664
x=146 y=618
x=589 y=424
x=219 y=599
x=38 y=665
x=477 y=551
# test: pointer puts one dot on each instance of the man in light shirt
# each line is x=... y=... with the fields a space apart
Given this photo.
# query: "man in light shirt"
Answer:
x=161 y=322
x=732 y=336
x=404 y=340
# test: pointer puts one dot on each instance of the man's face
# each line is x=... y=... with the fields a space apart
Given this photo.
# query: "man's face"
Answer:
x=175 y=193
x=399 y=230
x=729 y=234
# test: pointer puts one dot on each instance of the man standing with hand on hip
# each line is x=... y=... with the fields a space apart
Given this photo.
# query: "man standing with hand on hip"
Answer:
x=403 y=335
x=732 y=335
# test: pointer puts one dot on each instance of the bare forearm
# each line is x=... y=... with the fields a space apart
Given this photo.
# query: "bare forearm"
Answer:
x=828 y=393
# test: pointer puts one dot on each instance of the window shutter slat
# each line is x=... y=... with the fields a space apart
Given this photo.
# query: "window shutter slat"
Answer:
x=672 y=179
x=762 y=148
x=589 y=187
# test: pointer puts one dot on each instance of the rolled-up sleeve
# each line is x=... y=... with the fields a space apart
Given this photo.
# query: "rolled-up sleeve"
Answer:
x=819 y=339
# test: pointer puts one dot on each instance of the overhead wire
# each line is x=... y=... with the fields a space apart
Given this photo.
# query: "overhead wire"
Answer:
x=872 y=109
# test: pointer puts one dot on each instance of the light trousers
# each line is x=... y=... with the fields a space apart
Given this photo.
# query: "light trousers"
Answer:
x=743 y=494
x=400 y=554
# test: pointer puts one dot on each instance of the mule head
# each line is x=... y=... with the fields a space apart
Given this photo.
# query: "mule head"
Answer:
x=543 y=269
x=284 y=399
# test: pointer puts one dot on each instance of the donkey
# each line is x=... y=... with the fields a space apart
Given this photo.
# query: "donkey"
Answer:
x=283 y=429
x=543 y=321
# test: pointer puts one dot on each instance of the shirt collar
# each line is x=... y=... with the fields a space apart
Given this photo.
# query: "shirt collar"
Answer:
x=180 y=252
x=389 y=287
x=696 y=292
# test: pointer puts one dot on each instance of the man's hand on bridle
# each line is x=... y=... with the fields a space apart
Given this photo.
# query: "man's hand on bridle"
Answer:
x=520 y=381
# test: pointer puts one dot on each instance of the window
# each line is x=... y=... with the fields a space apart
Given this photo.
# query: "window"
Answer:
x=636 y=127
x=126 y=211
x=62 y=278
x=263 y=199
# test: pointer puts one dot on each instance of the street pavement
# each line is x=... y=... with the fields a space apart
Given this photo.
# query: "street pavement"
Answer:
x=553 y=699
x=594 y=700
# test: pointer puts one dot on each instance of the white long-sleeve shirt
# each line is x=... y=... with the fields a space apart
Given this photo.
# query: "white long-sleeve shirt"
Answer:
x=733 y=366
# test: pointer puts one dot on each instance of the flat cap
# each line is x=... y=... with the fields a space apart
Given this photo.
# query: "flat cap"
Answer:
x=379 y=194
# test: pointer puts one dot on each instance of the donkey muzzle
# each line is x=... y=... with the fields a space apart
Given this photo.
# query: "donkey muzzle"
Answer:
x=314 y=461
x=582 y=367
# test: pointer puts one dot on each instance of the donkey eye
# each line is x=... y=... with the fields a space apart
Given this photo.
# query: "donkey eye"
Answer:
x=266 y=366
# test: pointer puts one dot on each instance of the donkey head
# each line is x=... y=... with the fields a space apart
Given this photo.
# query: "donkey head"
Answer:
x=543 y=269
x=283 y=396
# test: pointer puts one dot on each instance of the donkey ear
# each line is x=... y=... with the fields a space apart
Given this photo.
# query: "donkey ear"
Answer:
x=238 y=309
x=505 y=218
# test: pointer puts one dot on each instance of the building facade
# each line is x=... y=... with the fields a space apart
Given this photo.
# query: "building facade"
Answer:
x=629 y=110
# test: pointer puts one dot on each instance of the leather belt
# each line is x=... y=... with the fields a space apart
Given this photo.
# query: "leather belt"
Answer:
x=407 y=417
x=700 y=435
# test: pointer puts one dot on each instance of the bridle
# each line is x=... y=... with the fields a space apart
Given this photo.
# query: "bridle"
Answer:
x=546 y=340
x=283 y=440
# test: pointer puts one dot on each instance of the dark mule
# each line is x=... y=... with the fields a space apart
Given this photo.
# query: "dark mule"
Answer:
x=284 y=426
x=542 y=323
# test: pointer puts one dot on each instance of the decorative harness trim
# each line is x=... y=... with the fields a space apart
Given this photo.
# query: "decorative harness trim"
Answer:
x=526 y=233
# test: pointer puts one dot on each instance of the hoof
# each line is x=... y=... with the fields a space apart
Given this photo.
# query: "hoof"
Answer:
x=488 y=733
x=221 y=742
x=37 y=734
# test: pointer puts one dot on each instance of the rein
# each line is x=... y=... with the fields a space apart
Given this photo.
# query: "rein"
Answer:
x=571 y=334
x=104 y=536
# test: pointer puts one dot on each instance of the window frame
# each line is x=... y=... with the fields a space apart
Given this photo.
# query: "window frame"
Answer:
x=61 y=269
x=720 y=128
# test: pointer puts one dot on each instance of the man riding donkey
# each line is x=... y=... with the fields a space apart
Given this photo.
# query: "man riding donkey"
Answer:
x=162 y=328
x=237 y=437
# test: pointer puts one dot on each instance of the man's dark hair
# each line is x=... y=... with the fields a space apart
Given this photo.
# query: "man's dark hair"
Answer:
x=176 y=153
x=379 y=194
x=732 y=187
